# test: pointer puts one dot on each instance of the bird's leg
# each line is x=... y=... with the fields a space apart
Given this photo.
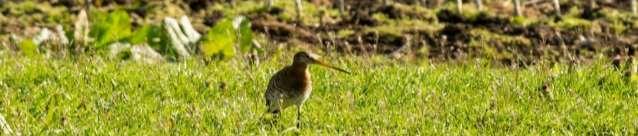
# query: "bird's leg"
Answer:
x=299 y=117
x=275 y=115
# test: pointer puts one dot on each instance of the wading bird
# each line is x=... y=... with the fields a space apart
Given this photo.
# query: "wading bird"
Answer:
x=292 y=84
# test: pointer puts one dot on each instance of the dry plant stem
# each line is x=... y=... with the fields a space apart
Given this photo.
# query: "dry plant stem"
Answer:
x=6 y=129
x=517 y=7
x=557 y=7
x=479 y=5
x=342 y=7
x=298 y=9
x=232 y=3
x=270 y=3
x=459 y=6
x=634 y=7
x=81 y=32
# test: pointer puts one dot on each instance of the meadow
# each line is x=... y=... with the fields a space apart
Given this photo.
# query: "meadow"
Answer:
x=94 y=95
x=436 y=67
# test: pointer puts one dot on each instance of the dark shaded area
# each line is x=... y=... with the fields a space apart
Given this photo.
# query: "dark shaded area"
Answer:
x=452 y=42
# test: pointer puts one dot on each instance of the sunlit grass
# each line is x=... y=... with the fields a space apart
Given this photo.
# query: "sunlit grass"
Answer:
x=97 y=96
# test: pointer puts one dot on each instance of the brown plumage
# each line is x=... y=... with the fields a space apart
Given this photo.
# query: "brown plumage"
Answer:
x=292 y=85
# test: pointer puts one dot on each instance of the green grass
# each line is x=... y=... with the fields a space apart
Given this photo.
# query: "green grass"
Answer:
x=96 y=96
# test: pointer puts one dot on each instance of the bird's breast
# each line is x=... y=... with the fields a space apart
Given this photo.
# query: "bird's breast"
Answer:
x=304 y=82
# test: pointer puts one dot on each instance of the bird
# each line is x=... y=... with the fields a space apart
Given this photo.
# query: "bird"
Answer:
x=292 y=85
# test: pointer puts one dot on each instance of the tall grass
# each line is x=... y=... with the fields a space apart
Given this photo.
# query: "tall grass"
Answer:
x=99 y=96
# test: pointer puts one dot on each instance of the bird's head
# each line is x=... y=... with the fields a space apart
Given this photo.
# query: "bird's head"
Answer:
x=306 y=58
x=310 y=58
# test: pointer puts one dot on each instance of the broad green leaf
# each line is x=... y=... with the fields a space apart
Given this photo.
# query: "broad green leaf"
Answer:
x=223 y=37
x=220 y=39
x=28 y=47
x=155 y=37
x=141 y=35
x=112 y=28
x=245 y=36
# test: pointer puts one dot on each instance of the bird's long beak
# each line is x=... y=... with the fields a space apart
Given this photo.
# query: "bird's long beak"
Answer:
x=330 y=66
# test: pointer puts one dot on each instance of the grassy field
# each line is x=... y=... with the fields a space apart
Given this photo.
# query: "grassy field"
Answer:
x=100 y=96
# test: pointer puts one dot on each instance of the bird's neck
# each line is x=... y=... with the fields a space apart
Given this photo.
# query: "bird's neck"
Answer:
x=300 y=66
